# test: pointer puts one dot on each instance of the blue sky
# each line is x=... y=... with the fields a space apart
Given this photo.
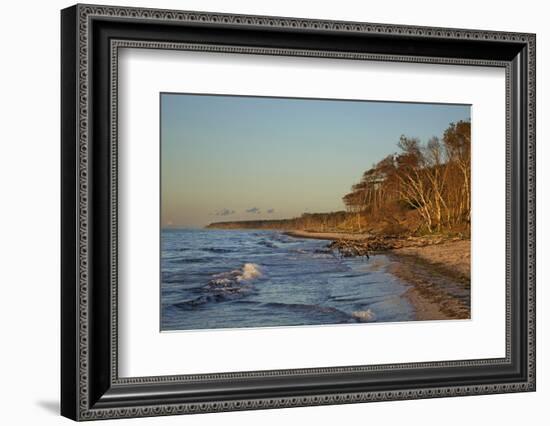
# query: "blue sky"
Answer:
x=244 y=158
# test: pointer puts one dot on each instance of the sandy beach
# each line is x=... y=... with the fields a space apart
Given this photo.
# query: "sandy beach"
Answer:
x=440 y=279
x=437 y=269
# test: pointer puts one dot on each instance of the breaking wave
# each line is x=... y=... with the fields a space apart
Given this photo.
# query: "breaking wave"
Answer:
x=248 y=272
x=225 y=285
x=364 y=316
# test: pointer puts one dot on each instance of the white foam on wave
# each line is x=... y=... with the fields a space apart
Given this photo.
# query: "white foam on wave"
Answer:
x=364 y=316
x=221 y=281
x=249 y=272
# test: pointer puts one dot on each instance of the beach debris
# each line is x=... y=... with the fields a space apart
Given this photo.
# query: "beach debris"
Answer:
x=349 y=248
x=376 y=244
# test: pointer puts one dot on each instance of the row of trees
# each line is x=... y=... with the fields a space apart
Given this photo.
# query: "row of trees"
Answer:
x=427 y=183
x=307 y=221
x=432 y=179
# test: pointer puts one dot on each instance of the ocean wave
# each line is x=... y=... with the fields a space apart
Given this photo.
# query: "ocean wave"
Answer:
x=191 y=259
x=199 y=301
x=300 y=251
x=218 y=250
x=281 y=238
x=235 y=281
x=323 y=253
x=225 y=286
x=364 y=316
x=304 y=307
x=249 y=271
x=268 y=244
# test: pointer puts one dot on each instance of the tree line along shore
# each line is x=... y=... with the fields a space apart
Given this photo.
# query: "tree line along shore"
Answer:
x=423 y=189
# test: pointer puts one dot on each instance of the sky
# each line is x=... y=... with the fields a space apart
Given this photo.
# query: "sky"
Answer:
x=228 y=158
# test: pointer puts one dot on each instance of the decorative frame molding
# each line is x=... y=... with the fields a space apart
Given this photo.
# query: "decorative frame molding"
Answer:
x=91 y=37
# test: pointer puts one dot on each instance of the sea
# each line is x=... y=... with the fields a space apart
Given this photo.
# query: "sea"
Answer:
x=212 y=279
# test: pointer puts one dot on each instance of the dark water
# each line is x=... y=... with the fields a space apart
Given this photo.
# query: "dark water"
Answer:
x=232 y=279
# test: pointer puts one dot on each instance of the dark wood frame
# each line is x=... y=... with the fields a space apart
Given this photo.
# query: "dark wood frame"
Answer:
x=90 y=386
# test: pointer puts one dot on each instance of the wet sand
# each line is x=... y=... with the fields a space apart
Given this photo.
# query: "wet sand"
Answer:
x=439 y=276
x=453 y=255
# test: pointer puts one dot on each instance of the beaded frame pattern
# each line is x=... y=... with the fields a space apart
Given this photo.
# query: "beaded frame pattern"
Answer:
x=85 y=13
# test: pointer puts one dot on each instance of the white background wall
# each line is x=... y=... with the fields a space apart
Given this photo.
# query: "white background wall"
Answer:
x=29 y=211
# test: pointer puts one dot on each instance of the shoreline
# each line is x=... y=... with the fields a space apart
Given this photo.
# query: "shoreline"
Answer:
x=437 y=291
x=436 y=268
x=331 y=236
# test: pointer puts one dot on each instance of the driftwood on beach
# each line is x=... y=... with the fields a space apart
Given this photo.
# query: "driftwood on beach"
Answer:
x=375 y=244
x=348 y=248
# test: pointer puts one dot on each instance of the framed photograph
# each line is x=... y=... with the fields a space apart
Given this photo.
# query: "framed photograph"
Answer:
x=263 y=212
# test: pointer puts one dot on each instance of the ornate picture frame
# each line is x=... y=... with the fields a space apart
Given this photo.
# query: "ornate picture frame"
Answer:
x=91 y=37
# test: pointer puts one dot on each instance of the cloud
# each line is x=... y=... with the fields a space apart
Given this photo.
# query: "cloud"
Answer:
x=254 y=210
x=224 y=212
x=269 y=211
